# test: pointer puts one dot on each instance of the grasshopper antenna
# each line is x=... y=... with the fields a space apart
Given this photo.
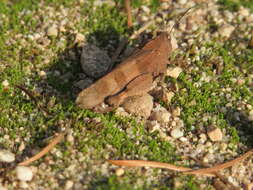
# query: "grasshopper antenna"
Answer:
x=184 y=14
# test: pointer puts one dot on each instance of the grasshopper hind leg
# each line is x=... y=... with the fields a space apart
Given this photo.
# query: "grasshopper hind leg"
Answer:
x=138 y=86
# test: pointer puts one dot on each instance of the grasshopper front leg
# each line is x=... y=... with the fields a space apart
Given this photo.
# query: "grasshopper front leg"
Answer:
x=138 y=86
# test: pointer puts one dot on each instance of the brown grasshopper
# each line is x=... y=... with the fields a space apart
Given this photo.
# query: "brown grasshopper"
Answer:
x=134 y=76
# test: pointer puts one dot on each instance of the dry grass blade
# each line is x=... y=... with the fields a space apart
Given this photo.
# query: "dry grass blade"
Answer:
x=143 y=163
x=142 y=29
x=205 y=171
x=222 y=179
x=221 y=166
x=44 y=151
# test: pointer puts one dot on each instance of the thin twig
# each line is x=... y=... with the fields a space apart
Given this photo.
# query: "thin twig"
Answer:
x=27 y=92
x=129 y=14
x=142 y=29
x=31 y=95
x=44 y=151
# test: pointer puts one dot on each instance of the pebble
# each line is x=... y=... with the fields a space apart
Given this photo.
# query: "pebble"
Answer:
x=95 y=62
x=42 y=74
x=23 y=185
x=182 y=2
x=173 y=41
x=183 y=139
x=21 y=146
x=139 y=105
x=79 y=37
x=165 y=6
x=173 y=72
x=162 y=116
x=176 y=133
x=24 y=173
x=5 y=83
x=214 y=133
x=203 y=138
x=119 y=172
x=145 y=9
x=69 y=184
x=244 y=12
x=2 y=187
x=168 y=96
x=226 y=30
x=250 y=117
x=153 y=126
x=70 y=137
x=52 y=31
x=249 y=186
x=6 y=156
x=121 y=112
x=176 y=112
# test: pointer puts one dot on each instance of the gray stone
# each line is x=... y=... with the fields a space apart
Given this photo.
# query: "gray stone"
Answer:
x=94 y=61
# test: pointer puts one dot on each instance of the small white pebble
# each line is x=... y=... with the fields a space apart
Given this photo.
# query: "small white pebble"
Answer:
x=173 y=72
x=176 y=133
x=119 y=172
x=173 y=42
x=24 y=173
x=21 y=147
x=69 y=184
x=70 y=138
x=5 y=83
x=6 y=156
x=52 y=31
x=145 y=9
x=176 y=112
x=182 y=2
x=42 y=74
x=79 y=37
x=165 y=6
x=214 y=133
x=169 y=96
x=183 y=139
x=226 y=30
x=23 y=185
x=173 y=123
x=2 y=187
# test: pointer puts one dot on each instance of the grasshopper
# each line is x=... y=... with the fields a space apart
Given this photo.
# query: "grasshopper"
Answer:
x=134 y=76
